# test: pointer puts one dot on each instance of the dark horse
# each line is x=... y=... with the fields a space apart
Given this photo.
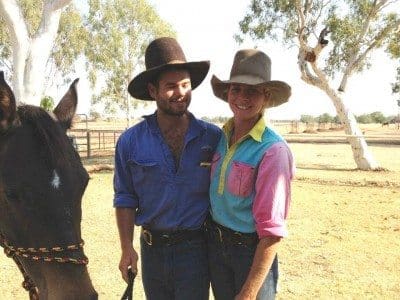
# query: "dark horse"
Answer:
x=42 y=181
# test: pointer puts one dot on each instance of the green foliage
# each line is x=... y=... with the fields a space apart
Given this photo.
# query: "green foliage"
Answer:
x=307 y=119
x=94 y=115
x=364 y=119
x=374 y=117
x=279 y=19
x=216 y=120
x=396 y=85
x=47 y=103
x=120 y=31
x=69 y=44
x=325 y=118
x=378 y=117
x=336 y=120
x=72 y=39
x=268 y=20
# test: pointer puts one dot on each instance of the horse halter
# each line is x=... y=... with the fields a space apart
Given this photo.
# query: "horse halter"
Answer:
x=34 y=254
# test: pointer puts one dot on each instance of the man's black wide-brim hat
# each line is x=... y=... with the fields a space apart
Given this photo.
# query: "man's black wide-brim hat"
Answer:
x=163 y=54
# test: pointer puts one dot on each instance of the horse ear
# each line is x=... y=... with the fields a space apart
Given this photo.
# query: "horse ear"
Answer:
x=8 y=106
x=66 y=108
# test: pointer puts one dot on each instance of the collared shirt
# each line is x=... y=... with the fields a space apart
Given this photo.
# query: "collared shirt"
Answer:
x=250 y=182
x=146 y=178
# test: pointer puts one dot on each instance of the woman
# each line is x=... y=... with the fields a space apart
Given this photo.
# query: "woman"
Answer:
x=250 y=184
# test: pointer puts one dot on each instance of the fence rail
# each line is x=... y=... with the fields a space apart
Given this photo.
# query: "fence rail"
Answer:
x=91 y=143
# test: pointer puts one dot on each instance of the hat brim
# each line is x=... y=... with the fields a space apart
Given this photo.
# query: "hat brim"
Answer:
x=137 y=88
x=279 y=91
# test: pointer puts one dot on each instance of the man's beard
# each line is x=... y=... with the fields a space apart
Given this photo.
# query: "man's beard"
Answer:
x=167 y=107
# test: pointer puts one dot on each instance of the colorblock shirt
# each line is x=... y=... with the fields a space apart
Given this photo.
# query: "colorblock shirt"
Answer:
x=251 y=182
x=146 y=178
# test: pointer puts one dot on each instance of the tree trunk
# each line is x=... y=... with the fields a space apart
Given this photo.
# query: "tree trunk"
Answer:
x=30 y=54
x=361 y=154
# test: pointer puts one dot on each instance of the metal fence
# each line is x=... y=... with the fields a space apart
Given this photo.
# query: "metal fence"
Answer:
x=91 y=143
x=101 y=142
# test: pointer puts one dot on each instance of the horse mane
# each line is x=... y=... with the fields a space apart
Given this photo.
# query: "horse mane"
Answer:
x=49 y=132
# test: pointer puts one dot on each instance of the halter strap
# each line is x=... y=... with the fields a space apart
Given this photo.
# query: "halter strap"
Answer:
x=32 y=253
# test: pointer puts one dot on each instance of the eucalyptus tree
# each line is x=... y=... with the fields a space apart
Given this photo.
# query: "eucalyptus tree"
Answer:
x=38 y=40
x=120 y=31
x=355 y=27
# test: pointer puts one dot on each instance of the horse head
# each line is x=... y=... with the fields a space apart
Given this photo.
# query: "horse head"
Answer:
x=42 y=182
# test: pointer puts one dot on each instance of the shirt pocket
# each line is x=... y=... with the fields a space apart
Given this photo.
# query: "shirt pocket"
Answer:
x=144 y=174
x=241 y=179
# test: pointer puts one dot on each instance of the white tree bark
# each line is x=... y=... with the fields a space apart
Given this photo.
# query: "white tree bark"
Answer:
x=307 y=58
x=362 y=156
x=30 y=53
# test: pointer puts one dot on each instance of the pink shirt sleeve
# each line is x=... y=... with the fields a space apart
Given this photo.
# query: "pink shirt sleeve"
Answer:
x=272 y=199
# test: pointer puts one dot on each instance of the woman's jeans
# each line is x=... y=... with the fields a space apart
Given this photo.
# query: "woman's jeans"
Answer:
x=178 y=271
x=229 y=267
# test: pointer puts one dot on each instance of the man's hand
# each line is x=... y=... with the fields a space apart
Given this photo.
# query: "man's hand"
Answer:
x=129 y=258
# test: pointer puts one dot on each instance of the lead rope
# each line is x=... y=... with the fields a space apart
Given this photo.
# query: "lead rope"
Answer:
x=31 y=253
x=129 y=289
x=28 y=283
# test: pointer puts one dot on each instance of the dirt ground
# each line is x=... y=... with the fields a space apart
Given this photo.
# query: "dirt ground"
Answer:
x=344 y=226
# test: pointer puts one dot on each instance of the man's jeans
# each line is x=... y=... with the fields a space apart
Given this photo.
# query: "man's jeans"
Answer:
x=229 y=268
x=177 y=271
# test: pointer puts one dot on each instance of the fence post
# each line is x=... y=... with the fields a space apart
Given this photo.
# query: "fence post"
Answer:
x=88 y=144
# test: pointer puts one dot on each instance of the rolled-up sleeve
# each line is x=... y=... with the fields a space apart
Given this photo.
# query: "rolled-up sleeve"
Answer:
x=124 y=192
x=273 y=191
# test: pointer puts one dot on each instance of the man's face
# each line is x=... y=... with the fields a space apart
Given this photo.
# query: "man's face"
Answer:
x=173 y=93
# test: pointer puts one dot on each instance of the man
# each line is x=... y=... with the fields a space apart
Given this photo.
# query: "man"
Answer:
x=161 y=178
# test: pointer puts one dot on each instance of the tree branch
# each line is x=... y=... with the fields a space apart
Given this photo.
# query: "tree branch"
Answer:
x=306 y=74
x=353 y=57
x=57 y=4
x=358 y=60
x=301 y=25
x=15 y=21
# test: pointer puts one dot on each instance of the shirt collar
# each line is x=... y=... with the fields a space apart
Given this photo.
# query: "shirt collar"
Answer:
x=195 y=126
x=256 y=132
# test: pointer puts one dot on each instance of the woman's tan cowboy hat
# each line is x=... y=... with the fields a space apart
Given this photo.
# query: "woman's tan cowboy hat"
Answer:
x=162 y=54
x=253 y=67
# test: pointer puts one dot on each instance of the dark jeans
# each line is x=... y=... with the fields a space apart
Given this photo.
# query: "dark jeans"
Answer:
x=229 y=267
x=177 y=271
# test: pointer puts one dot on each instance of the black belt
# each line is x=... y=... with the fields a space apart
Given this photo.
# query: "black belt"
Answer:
x=228 y=236
x=167 y=238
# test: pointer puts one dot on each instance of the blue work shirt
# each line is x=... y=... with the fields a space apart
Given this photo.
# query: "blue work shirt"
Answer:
x=146 y=179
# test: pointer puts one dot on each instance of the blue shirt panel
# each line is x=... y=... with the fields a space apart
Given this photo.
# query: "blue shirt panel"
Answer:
x=232 y=211
x=146 y=179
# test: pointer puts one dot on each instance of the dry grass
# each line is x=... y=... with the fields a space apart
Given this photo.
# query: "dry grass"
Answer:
x=344 y=228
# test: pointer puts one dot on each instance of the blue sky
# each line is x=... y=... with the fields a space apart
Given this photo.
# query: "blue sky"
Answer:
x=205 y=31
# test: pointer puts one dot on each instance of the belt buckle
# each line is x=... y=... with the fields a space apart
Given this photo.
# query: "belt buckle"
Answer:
x=147 y=237
x=168 y=239
x=239 y=236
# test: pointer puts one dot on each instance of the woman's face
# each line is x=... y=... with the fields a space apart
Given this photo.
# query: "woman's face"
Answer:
x=246 y=101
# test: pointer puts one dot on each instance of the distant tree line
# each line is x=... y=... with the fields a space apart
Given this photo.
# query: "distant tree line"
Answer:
x=375 y=117
x=216 y=120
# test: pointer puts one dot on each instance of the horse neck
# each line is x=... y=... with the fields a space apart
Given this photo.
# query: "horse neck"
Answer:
x=61 y=280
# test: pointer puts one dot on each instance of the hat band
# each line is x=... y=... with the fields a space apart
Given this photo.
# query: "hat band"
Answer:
x=176 y=61
x=247 y=79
